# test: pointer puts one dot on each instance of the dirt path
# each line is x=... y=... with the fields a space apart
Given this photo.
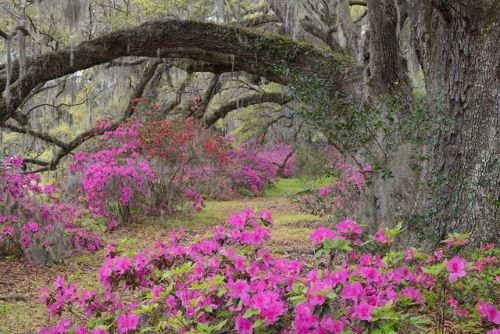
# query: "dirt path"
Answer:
x=290 y=237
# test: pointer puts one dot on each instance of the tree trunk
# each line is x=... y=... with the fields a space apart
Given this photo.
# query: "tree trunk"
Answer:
x=458 y=44
x=387 y=85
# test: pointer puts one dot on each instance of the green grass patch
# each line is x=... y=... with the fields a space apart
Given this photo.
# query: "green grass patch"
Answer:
x=294 y=185
x=300 y=233
x=21 y=317
x=293 y=218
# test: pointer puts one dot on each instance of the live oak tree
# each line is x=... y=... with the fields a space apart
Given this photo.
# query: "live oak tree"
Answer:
x=356 y=88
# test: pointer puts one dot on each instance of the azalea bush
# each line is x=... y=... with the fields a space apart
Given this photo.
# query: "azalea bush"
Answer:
x=112 y=177
x=227 y=282
x=253 y=166
x=343 y=196
x=34 y=222
x=155 y=166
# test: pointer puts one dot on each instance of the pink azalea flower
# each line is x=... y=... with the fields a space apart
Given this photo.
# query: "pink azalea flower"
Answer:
x=351 y=291
x=456 y=267
x=126 y=195
x=269 y=304
x=414 y=294
x=236 y=220
x=489 y=312
x=381 y=237
x=238 y=289
x=349 y=227
x=127 y=323
x=322 y=233
x=493 y=331
x=363 y=311
x=332 y=326
x=243 y=326
x=266 y=216
x=81 y=330
x=409 y=254
x=452 y=302
x=323 y=192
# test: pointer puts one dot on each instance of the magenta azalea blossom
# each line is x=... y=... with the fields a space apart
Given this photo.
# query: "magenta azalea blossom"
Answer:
x=489 y=312
x=81 y=330
x=363 y=311
x=243 y=326
x=323 y=192
x=266 y=216
x=493 y=331
x=127 y=323
x=456 y=267
x=351 y=291
x=349 y=227
x=332 y=326
x=322 y=233
x=381 y=237
x=236 y=220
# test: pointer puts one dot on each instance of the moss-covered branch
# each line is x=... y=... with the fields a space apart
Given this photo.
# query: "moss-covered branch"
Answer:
x=244 y=102
x=270 y=56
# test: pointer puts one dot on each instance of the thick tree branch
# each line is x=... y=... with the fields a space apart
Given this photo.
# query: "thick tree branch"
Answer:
x=40 y=135
x=212 y=89
x=260 y=20
x=178 y=94
x=273 y=57
x=244 y=102
x=357 y=3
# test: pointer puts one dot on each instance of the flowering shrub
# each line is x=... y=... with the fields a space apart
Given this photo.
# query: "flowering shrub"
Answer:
x=227 y=282
x=114 y=178
x=34 y=223
x=156 y=165
x=342 y=197
x=252 y=166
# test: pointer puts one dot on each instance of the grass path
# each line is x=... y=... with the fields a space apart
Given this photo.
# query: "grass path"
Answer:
x=289 y=236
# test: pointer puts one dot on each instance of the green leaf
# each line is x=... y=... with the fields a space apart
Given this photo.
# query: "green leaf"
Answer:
x=250 y=313
x=297 y=299
x=393 y=232
x=258 y=323
x=337 y=244
x=434 y=270
x=220 y=325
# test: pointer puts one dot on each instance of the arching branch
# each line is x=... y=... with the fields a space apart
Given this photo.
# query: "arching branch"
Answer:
x=276 y=58
x=244 y=102
x=40 y=135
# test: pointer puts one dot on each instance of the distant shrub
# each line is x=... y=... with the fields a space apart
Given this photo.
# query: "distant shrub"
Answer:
x=33 y=220
x=343 y=196
x=155 y=166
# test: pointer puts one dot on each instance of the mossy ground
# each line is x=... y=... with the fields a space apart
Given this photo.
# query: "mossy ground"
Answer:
x=290 y=237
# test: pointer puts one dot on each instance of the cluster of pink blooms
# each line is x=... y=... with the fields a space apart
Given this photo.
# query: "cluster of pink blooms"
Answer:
x=34 y=222
x=115 y=173
x=228 y=281
x=343 y=196
x=138 y=170
x=253 y=166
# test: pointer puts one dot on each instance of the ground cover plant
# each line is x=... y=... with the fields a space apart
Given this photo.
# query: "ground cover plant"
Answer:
x=35 y=222
x=156 y=165
x=226 y=282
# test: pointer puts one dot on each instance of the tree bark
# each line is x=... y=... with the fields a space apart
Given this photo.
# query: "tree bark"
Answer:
x=387 y=87
x=458 y=44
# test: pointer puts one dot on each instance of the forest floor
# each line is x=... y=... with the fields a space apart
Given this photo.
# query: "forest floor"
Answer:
x=290 y=237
